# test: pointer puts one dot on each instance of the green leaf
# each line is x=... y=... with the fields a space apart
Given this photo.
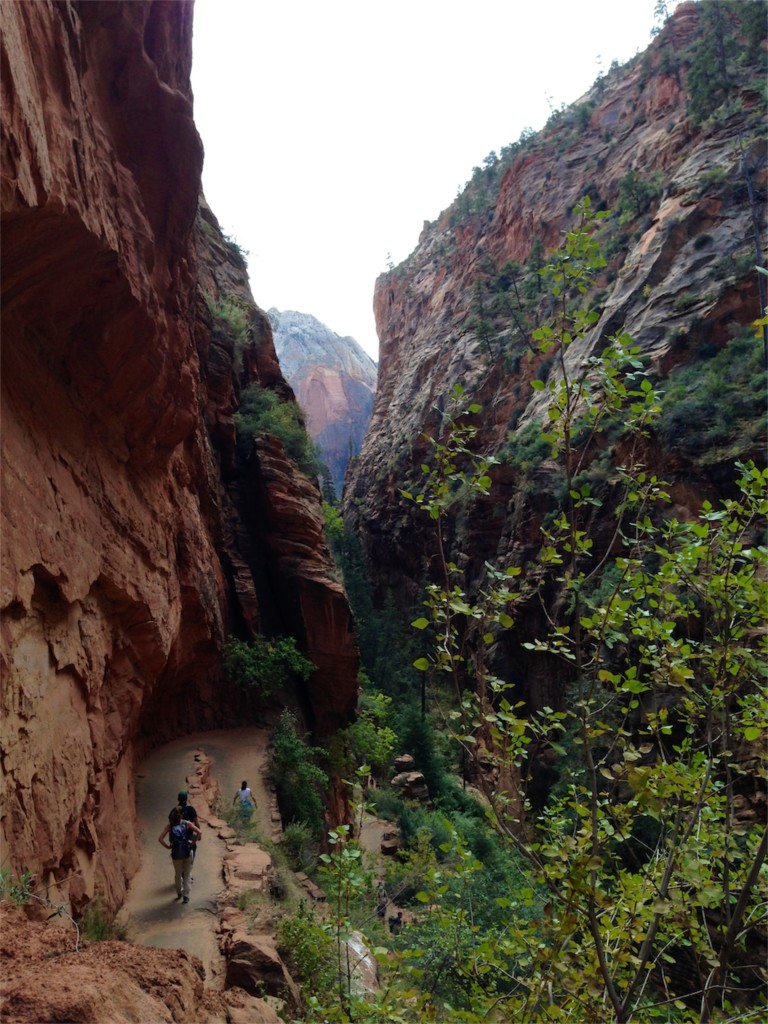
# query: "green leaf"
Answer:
x=420 y=623
x=421 y=664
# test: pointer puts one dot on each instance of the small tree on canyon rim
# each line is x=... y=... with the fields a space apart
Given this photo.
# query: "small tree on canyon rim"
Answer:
x=642 y=882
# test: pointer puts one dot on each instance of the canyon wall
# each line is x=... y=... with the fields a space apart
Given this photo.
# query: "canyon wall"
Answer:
x=128 y=551
x=679 y=279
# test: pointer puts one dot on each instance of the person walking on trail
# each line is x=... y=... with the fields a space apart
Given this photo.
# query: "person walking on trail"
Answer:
x=396 y=923
x=180 y=833
x=381 y=907
x=247 y=803
x=188 y=813
x=382 y=902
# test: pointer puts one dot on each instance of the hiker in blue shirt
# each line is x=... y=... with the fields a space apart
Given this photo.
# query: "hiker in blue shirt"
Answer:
x=181 y=834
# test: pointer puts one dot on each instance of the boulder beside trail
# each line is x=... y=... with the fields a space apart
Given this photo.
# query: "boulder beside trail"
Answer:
x=254 y=964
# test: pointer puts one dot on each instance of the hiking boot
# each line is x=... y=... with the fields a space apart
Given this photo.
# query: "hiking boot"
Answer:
x=177 y=896
x=186 y=899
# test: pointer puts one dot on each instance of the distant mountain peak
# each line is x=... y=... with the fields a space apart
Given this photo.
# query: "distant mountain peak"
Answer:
x=334 y=380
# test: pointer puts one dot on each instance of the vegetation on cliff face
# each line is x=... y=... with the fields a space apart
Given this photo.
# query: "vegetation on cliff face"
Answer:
x=724 y=57
x=265 y=665
x=583 y=692
x=643 y=877
x=680 y=249
x=632 y=887
x=688 y=202
x=262 y=411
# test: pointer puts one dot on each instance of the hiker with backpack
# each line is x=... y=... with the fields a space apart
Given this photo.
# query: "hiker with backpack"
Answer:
x=181 y=834
x=188 y=813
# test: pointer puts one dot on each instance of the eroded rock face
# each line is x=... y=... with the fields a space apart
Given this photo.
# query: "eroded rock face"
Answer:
x=254 y=965
x=105 y=546
x=125 y=558
x=680 y=278
x=45 y=978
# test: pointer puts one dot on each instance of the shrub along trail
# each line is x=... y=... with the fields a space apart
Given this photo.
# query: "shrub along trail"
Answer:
x=150 y=912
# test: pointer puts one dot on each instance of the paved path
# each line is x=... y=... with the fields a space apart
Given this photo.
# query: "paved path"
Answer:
x=150 y=912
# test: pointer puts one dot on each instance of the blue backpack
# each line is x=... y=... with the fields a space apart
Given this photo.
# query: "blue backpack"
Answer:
x=181 y=848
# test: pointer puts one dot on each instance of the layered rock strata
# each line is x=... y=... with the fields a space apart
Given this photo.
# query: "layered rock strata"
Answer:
x=126 y=559
x=690 y=210
x=681 y=277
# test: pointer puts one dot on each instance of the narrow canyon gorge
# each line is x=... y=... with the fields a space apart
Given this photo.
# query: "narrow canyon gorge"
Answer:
x=143 y=529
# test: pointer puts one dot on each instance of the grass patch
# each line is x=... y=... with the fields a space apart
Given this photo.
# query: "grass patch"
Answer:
x=714 y=410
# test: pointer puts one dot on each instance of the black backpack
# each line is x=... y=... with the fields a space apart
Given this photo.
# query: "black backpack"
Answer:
x=181 y=848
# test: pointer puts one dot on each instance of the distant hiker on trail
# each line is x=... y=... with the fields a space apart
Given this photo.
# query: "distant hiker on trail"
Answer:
x=181 y=834
x=396 y=923
x=188 y=813
x=382 y=902
x=247 y=803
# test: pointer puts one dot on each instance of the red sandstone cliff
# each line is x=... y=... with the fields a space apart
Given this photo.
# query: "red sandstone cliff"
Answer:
x=680 y=279
x=127 y=553
x=681 y=274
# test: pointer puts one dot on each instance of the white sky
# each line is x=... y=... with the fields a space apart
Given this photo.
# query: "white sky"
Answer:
x=334 y=128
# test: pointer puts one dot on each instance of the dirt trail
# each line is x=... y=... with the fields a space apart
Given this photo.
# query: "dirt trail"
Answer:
x=150 y=912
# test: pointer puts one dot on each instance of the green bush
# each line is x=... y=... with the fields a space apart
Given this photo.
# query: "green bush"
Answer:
x=526 y=449
x=415 y=820
x=299 y=846
x=309 y=952
x=334 y=530
x=473 y=901
x=387 y=804
x=636 y=195
x=371 y=739
x=17 y=889
x=685 y=300
x=714 y=409
x=96 y=926
x=233 y=315
x=300 y=782
x=235 y=246
x=265 y=665
x=262 y=412
x=712 y=179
